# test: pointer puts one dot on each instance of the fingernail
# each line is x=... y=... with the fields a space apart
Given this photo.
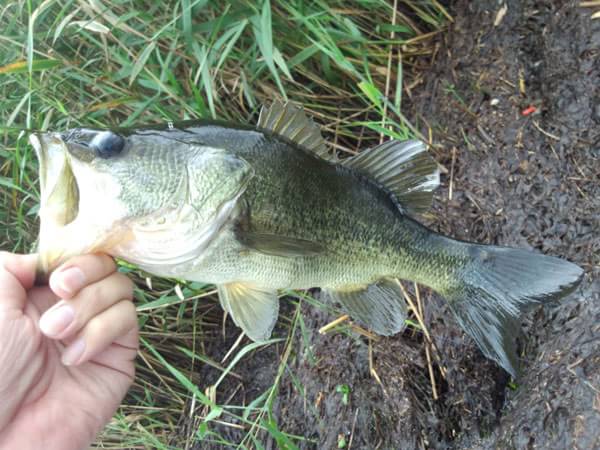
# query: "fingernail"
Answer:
x=57 y=319
x=73 y=352
x=69 y=280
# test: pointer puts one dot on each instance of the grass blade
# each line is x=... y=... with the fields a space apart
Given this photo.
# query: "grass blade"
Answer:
x=141 y=61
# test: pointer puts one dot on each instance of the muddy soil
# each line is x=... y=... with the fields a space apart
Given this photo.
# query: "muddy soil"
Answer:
x=531 y=181
x=524 y=180
x=514 y=111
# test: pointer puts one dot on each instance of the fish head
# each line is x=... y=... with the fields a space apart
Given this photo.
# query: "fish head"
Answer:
x=96 y=186
x=153 y=197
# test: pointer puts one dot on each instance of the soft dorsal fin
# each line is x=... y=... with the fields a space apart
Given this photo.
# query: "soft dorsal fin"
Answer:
x=405 y=168
x=379 y=306
x=252 y=308
x=291 y=122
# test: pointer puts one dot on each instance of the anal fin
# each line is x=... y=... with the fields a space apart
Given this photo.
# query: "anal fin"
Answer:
x=379 y=306
x=253 y=309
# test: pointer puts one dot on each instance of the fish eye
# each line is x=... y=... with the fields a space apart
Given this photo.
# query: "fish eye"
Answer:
x=107 y=144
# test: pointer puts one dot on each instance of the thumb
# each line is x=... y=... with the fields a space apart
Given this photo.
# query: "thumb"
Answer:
x=17 y=275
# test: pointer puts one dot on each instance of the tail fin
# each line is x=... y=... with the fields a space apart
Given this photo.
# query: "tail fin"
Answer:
x=497 y=286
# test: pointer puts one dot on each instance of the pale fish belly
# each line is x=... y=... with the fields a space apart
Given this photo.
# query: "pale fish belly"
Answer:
x=226 y=260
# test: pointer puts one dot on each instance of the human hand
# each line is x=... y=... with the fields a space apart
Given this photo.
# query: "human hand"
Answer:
x=64 y=365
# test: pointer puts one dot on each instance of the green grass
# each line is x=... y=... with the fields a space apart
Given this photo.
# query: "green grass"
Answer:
x=66 y=63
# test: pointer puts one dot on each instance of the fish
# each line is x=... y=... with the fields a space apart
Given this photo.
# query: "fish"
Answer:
x=259 y=209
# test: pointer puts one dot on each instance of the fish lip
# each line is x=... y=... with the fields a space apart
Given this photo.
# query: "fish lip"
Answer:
x=35 y=139
x=59 y=193
x=53 y=159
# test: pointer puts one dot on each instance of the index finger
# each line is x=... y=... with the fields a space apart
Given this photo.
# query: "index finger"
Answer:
x=68 y=279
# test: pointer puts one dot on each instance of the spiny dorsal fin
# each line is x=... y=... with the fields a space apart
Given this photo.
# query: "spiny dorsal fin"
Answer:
x=379 y=306
x=290 y=121
x=252 y=308
x=405 y=168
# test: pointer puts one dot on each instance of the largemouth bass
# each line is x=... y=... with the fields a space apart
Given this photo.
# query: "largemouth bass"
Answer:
x=258 y=209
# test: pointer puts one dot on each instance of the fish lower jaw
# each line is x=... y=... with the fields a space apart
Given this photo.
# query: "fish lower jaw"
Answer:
x=57 y=244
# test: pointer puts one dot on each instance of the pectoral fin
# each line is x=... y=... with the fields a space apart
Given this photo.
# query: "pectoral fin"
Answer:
x=274 y=245
x=252 y=308
x=379 y=306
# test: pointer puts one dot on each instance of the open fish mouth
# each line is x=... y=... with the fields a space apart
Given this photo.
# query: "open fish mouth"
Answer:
x=59 y=199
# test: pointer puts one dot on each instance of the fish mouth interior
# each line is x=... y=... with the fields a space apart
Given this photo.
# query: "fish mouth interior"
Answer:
x=59 y=192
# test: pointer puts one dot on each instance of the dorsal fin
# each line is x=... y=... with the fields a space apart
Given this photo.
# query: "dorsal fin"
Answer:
x=291 y=122
x=405 y=168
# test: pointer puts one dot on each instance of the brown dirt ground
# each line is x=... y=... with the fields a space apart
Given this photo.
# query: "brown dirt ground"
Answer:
x=528 y=181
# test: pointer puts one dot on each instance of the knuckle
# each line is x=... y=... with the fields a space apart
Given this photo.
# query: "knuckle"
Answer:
x=107 y=262
x=91 y=298
x=130 y=310
x=110 y=290
x=97 y=327
x=130 y=315
x=95 y=292
x=125 y=283
x=73 y=261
